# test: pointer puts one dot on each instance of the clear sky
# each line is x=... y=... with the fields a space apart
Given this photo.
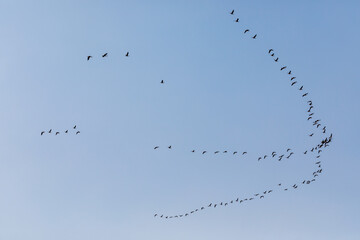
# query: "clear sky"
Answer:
x=222 y=91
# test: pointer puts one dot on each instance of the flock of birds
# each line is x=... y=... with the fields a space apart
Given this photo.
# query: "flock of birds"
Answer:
x=57 y=133
x=315 y=151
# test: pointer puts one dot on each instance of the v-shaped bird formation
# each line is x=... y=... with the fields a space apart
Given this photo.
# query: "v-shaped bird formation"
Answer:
x=314 y=152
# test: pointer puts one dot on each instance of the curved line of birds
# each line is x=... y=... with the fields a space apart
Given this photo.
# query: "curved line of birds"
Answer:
x=315 y=151
x=57 y=132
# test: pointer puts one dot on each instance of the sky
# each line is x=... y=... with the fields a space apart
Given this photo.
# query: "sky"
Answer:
x=222 y=91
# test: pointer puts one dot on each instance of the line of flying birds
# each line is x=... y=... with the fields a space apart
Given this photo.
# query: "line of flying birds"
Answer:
x=57 y=133
x=315 y=151
x=105 y=55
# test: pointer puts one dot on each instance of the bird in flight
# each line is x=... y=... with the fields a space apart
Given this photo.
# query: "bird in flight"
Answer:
x=272 y=54
x=289 y=72
x=162 y=82
x=237 y=20
x=193 y=151
x=270 y=50
x=247 y=30
x=301 y=88
x=283 y=68
x=305 y=94
x=293 y=83
x=292 y=78
x=203 y=152
x=311 y=134
x=88 y=57
x=50 y=130
x=127 y=54
x=232 y=12
x=105 y=55
x=277 y=59
x=216 y=152
x=169 y=147
x=42 y=133
x=254 y=37
x=234 y=153
x=74 y=127
x=66 y=131
x=57 y=133
x=156 y=147
x=77 y=132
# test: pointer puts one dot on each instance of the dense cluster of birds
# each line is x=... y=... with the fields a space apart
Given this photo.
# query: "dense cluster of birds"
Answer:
x=57 y=132
x=315 y=150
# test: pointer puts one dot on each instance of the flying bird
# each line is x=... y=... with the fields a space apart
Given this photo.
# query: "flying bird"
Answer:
x=162 y=82
x=169 y=147
x=301 y=88
x=232 y=12
x=127 y=54
x=292 y=78
x=156 y=147
x=283 y=68
x=74 y=127
x=254 y=37
x=88 y=57
x=105 y=55
x=244 y=153
x=289 y=72
x=270 y=50
x=50 y=130
x=237 y=20
x=203 y=152
x=66 y=131
x=77 y=132
x=305 y=94
x=57 y=133
x=277 y=59
x=42 y=133
x=247 y=30
x=293 y=83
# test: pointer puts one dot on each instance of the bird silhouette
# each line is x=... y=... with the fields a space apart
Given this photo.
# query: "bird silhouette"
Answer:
x=42 y=133
x=301 y=88
x=277 y=59
x=289 y=72
x=104 y=55
x=203 y=152
x=127 y=54
x=156 y=147
x=66 y=131
x=162 y=82
x=57 y=133
x=74 y=127
x=283 y=68
x=292 y=78
x=88 y=57
x=237 y=20
x=247 y=30
x=77 y=132
x=270 y=50
x=232 y=12
x=244 y=153
x=293 y=83
x=254 y=37
x=304 y=95
x=50 y=130
x=169 y=147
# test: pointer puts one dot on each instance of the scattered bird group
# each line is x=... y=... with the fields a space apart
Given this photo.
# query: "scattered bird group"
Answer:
x=105 y=55
x=57 y=133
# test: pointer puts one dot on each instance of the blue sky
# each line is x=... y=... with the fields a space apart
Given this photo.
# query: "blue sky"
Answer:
x=222 y=91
